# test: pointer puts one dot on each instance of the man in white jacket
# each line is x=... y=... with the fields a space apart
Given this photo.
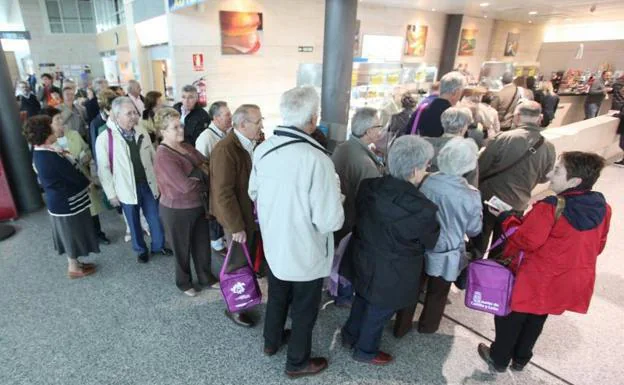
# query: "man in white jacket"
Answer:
x=294 y=183
x=125 y=159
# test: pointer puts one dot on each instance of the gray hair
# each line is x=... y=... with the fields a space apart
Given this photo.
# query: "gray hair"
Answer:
x=298 y=105
x=458 y=156
x=507 y=78
x=451 y=82
x=133 y=84
x=99 y=84
x=455 y=119
x=529 y=111
x=189 y=88
x=408 y=153
x=242 y=113
x=363 y=119
x=215 y=108
x=118 y=102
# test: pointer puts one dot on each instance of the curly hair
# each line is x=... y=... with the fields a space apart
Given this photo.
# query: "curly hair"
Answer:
x=50 y=111
x=105 y=98
x=163 y=116
x=38 y=129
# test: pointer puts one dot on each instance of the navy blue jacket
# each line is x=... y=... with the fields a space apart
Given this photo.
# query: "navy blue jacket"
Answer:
x=429 y=123
x=66 y=189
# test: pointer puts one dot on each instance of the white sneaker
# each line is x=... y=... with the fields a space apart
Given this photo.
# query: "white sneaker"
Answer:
x=127 y=237
x=215 y=286
x=191 y=292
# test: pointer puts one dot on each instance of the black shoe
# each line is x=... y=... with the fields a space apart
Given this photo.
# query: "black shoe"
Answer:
x=484 y=352
x=103 y=240
x=143 y=258
x=516 y=367
x=268 y=351
x=241 y=319
x=165 y=251
x=315 y=366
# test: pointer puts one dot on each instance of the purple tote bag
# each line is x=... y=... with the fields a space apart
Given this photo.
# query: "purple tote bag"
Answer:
x=240 y=287
x=490 y=284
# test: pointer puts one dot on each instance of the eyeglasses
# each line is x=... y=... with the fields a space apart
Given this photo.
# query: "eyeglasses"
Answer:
x=256 y=123
x=377 y=126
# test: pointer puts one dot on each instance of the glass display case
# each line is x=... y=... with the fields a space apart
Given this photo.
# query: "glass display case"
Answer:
x=492 y=72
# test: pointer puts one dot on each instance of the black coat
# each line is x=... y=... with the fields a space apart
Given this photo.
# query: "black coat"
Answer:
x=395 y=223
x=194 y=123
x=30 y=104
x=429 y=123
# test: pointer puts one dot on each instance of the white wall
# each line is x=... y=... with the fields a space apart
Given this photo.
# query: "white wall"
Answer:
x=238 y=79
x=529 y=43
x=46 y=47
x=484 y=26
x=562 y=56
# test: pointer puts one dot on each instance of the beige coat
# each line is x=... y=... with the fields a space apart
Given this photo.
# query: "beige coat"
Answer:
x=505 y=103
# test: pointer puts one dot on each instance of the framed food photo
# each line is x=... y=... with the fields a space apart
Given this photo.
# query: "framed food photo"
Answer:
x=467 y=42
x=241 y=32
x=415 y=40
x=511 y=46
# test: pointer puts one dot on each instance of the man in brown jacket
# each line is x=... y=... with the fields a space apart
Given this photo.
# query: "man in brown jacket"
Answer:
x=230 y=167
x=511 y=165
x=505 y=101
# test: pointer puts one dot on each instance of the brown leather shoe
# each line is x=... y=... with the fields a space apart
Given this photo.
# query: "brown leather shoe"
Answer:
x=315 y=366
x=241 y=319
x=81 y=273
x=382 y=358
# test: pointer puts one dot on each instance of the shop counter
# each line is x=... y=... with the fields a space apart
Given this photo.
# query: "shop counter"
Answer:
x=571 y=109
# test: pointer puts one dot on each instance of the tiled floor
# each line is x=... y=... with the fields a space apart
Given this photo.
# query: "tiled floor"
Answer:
x=128 y=324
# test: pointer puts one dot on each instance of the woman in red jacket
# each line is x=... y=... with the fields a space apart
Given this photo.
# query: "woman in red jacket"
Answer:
x=561 y=242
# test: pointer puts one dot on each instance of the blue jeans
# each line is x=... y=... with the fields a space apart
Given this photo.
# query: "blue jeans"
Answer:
x=591 y=110
x=364 y=328
x=149 y=205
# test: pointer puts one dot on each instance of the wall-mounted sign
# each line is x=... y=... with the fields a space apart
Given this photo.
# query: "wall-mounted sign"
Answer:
x=174 y=5
x=15 y=35
x=306 y=48
x=198 y=62
x=241 y=32
x=415 y=40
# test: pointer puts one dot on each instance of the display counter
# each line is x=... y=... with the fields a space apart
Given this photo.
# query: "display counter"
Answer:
x=598 y=135
x=571 y=109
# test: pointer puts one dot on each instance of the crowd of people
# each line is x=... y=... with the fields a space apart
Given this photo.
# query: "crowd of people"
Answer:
x=409 y=210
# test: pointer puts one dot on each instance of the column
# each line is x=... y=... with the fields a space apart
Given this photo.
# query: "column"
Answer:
x=13 y=147
x=451 y=41
x=339 y=37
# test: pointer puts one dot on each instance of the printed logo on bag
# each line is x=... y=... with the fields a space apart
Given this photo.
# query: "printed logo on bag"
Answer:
x=477 y=301
x=238 y=288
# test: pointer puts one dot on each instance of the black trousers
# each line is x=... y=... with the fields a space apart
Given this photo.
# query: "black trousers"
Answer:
x=516 y=335
x=490 y=227
x=435 y=302
x=304 y=299
x=97 y=225
x=185 y=231
x=216 y=230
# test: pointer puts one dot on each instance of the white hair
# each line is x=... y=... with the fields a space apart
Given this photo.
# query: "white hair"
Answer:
x=529 y=111
x=299 y=105
x=452 y=82
x=458 y=156
x=455 y=119
x=363 y=119
x=242 y=114
x=118 y=102
x=408 y=153
x=133 y=84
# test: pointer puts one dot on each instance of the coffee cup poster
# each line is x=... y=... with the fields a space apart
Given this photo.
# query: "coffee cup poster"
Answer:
x=415 y=40
x=467 y=42
x=241 y=32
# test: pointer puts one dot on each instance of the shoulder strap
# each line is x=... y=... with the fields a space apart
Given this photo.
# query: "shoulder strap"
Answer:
x=110 y=149
x=511 y=103
x=283 y=145
x=214 y=132
x=561 y=202
x=531 y=150
x=421 y=108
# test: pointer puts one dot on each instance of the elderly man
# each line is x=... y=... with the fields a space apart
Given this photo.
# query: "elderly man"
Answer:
x=27 y=100
x=299 y=207
x=511 y=165
x=219 y=127
x=91 y=104
x=125 y=159
x=194 y=118
x=455 y=121
x=426 y=118
x=74 y=115
x=230 y=167
x=595 y=95
x=506 y=100
x=134 y=93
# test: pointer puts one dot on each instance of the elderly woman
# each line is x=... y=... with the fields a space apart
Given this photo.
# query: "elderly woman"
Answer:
x=71 y=142
x=459 y=215
x=182 y=175
x=455 y=121
x=67 y=197
x=153 y=101
x=396 y=223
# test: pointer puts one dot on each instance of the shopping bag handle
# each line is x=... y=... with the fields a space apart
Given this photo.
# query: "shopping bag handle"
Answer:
x=229 y=253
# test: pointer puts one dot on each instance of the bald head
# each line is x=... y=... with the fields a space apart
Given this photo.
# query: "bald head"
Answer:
x=528 y=112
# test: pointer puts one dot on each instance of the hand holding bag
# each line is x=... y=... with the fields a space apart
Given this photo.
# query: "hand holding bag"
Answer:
x=239 y=287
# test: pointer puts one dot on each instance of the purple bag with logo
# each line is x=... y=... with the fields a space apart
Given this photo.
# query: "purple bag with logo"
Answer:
x=240 y=287
x=490 y=284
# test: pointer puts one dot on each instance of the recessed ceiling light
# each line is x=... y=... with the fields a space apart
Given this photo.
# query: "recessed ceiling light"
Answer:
x=567 y=19
x=485 y=16
x=433 y=9
x=484 y=4
x=530 y=22
x=533 y=13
